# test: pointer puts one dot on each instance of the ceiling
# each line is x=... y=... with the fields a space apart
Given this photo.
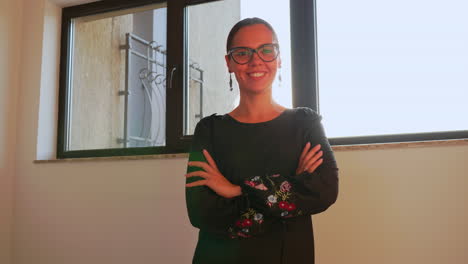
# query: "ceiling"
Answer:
x=66 y=3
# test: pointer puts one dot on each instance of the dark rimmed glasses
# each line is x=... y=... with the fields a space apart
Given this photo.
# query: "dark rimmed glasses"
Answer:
x=243 y=55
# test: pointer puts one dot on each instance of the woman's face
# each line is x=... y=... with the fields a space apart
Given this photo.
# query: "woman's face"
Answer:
x=256 y=76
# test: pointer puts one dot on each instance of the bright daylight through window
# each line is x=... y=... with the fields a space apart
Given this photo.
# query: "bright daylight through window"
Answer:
x=392 y=67
x=209 y=92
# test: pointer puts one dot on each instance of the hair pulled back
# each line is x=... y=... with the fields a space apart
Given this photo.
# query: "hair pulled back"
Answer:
x=244 y=23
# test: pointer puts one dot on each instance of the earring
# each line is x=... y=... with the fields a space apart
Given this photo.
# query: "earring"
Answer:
x=230 y=81
x=279 y=78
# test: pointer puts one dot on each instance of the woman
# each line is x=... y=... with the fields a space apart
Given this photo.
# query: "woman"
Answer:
x=257 y=174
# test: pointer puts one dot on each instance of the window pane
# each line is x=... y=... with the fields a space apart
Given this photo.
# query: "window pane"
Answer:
x=392 y=67
x=207 y=82
x=117 y=95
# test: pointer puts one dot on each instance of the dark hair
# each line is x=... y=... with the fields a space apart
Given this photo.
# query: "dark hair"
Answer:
x=244 y=23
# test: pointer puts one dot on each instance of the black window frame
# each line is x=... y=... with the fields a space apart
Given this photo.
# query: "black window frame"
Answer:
x=306 y=85
x=305 y=89
x=176 y=142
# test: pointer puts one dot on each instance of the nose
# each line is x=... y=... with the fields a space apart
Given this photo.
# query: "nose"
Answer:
x=255 y=58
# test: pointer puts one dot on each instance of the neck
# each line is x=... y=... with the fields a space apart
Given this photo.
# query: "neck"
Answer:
x=257 y=106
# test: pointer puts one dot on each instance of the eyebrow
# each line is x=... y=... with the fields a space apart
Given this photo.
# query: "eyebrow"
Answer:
x=253 y=48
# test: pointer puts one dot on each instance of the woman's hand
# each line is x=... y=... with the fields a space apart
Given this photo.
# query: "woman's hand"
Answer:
x=310 y=159
x=212 y=178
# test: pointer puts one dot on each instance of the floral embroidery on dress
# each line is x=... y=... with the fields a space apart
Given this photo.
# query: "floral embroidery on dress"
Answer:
x=258 y=217
x=282 y=197
x=257 y=183
x=249 y=223
x=285 y=186
x=272 y=199
x=279 y=198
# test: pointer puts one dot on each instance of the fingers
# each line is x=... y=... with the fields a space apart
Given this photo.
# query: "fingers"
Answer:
x=305 y=160
x=205 y=166
x=196 y=183
x=312 y=152
x=208 y=168
x=315 y=166
x=313 y=161
x=210 y=159
x=198 y=173
x=304 y=152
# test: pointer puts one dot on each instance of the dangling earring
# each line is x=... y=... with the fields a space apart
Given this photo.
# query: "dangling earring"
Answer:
x=230 y=81
x=279 y=77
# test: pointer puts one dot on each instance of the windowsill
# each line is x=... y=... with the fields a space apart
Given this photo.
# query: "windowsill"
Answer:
x=137 y=157
x=415 y=144
x=433 y=143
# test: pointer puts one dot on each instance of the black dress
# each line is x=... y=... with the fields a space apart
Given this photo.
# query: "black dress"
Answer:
x=270 y=222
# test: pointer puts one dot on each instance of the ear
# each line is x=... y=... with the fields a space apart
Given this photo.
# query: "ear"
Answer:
x=228 y=62
x=279 y=62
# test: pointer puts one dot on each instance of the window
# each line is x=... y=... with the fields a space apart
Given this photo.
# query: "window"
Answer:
x=392 y=71
x=136 y=76
x=113 y=79
x=117 y=85
x=206 y=85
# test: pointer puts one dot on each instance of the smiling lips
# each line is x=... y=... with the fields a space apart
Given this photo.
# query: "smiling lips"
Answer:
x=256 y=75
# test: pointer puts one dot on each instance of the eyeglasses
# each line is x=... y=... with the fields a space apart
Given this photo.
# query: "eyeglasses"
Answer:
x=243 y=55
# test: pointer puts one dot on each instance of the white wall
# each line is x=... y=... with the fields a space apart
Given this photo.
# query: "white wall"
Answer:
x=395 y=205
x=10 y=42
x=86 y=212
x=398 y=206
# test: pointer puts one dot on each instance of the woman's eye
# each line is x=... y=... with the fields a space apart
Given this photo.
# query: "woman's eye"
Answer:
x=241 y=53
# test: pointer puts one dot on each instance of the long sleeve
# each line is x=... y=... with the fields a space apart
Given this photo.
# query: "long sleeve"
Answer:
x=207 y=210
x=265 y=199
x=285 y=196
